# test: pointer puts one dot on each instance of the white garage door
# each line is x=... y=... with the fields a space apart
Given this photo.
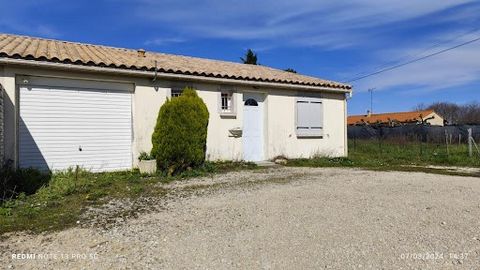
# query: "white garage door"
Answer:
x=62 y=127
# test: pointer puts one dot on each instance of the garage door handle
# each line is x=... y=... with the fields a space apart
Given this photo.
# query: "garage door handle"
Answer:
x=80 y=148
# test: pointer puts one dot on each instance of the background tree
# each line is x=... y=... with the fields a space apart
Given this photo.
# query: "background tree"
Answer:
x=291 y=70
x=449 y=111
x=250 y=58
x=454 y=114
x=420 y=107
x=470 y=114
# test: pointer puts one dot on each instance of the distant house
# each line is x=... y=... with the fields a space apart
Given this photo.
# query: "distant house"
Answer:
x=429 y=117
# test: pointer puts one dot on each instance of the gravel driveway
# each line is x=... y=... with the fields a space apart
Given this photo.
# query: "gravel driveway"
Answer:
x=284 y=218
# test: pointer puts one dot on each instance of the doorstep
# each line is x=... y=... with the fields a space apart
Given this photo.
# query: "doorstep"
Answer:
x=266 y=163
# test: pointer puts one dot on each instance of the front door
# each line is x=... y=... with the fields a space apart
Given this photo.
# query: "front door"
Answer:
x=253 y=127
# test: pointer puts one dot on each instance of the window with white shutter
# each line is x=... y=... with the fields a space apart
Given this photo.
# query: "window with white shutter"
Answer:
x=309 y=117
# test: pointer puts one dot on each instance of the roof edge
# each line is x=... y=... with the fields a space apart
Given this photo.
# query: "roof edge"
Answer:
x=393 y=113
x=172 y=76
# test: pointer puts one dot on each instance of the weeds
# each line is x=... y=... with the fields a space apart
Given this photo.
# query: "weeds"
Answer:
x=394 y=156
x=59 y=203
x=15 y=182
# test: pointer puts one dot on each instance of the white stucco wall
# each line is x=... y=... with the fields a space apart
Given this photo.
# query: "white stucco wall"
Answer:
x=279 y=117
x=282 y=139
x=147 y=102
x=7 y=79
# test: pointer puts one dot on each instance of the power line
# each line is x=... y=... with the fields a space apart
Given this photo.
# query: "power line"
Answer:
x=418 y=54
x=413 y=60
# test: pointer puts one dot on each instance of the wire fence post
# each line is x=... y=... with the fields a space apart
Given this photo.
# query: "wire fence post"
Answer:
x=470 y=146
x=446 y=142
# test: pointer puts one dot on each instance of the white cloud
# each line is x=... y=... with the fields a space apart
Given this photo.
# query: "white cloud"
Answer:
x=454 y=68
x=164 y=41
x=336 y=25
x=328 y=24
x=302 y=23
x=46 y=31
x=13 y=19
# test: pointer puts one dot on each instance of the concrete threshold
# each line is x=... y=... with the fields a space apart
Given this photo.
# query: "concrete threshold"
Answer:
x=266 y=163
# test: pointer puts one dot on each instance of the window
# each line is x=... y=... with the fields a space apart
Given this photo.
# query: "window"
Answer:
x=176 y=91
x=251 y=102
x=226 y=103
x=309 y=117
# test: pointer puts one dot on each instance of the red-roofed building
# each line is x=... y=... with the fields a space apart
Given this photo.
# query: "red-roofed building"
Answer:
x=399 y=118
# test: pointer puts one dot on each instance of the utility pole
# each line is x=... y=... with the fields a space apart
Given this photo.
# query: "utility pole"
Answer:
x=370 y=90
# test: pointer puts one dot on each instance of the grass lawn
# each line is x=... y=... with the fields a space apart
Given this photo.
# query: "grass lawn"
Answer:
x=405 y=156
x=59 y=204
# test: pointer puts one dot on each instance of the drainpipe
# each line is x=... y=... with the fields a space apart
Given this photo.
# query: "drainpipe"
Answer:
x=345 y=138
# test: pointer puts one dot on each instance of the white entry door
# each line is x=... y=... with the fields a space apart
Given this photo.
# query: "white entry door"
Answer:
x=253 y=127
x=62 y=127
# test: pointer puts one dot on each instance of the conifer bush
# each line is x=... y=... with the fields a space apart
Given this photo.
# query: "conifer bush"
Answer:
x=180 y=136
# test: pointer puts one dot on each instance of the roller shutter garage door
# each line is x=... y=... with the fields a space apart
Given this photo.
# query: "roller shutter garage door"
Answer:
x=61 y=127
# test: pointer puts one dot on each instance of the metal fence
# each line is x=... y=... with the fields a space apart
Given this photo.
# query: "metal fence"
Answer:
x=430 y=134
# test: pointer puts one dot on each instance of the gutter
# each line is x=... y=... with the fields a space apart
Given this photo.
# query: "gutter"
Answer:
x=170 y=76
x=348 y=96
x=345 y=126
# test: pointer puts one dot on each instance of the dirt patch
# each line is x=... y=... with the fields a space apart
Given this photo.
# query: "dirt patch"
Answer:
x=283 y=218
x=465 y=171
x=470 y=170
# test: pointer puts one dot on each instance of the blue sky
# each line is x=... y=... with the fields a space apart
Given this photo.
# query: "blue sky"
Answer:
x=337 y=40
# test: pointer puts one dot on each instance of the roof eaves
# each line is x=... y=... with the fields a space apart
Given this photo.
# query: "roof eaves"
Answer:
x=171 y=74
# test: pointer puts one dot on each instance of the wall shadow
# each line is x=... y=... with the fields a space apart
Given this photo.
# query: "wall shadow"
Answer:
x=32 y=172
x=29 y=154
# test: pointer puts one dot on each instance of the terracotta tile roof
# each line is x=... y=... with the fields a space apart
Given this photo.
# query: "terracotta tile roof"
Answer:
x=402 y=117
x=24 y=47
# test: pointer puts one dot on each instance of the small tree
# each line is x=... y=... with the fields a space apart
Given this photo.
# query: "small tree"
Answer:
x=250 y=58
x=291 y=70
x=180 y=136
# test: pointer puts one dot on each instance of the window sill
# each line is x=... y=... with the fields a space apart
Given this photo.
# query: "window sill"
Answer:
x=228 y=115
x=310 y=135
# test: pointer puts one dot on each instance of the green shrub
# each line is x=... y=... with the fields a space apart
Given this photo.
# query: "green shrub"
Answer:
x=14 y=182
x=180 y=136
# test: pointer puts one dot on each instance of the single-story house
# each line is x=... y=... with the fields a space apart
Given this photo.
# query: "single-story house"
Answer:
x=69 y=104
x=429 y=117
